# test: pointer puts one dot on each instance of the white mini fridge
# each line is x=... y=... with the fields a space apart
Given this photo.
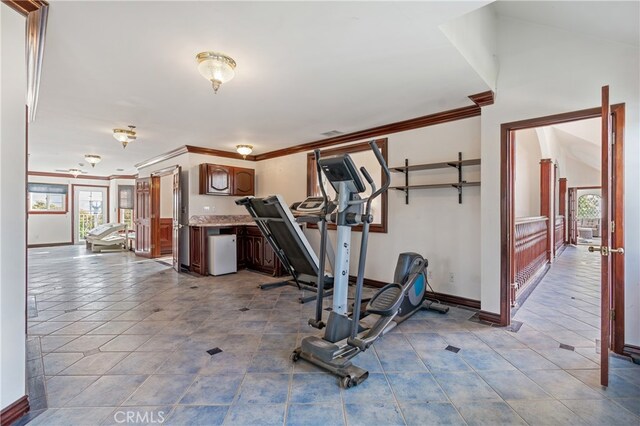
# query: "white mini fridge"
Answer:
x=222 y=254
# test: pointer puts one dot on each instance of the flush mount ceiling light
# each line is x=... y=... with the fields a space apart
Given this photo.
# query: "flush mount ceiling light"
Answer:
x=244 y=150
x=216 y=67
x=124 y=136
x=92 y=159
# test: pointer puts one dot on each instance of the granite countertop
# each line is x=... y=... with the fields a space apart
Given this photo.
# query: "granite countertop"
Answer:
x=221 y=221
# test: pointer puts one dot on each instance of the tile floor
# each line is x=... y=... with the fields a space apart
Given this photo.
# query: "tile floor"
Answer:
x=114 y=339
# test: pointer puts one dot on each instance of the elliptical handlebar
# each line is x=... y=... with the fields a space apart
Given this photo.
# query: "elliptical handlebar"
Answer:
x=325 y=198
x=387 y=176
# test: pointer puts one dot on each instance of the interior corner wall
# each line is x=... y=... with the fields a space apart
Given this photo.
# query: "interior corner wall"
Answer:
x=545 y=71
x=432 y=224
x=12 y=207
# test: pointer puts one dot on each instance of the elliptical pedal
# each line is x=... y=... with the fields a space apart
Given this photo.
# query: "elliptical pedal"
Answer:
x=387 y=300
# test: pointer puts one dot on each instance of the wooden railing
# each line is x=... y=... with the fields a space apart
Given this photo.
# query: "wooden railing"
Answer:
x=559 y=234
x=530 y=251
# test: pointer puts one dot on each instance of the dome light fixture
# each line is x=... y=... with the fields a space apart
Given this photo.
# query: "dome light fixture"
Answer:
x=75 y=172
x=244 y=150
x=92 y=159
x=216 y=67
x=124 y=136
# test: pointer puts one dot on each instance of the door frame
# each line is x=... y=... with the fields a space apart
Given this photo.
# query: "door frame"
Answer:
x=73 y=206
x=507 y=216
x=155 y=207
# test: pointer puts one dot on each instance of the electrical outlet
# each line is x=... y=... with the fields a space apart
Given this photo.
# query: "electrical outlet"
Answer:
x=206 y=208
x=451 y=277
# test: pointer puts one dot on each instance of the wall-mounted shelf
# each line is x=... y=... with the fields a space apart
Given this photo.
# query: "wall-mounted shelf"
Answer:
x=458 y=165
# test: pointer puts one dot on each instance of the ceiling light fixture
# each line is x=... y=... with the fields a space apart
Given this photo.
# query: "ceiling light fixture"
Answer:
x=125 y=136
x=93 y=159
x=75 y=172
x=216 y=67
x=244 y=150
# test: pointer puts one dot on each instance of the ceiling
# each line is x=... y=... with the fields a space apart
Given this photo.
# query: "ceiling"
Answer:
x=304 y=68
x=581 y=140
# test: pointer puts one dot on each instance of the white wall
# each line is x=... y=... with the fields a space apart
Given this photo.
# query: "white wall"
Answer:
x=56 y=228
x=433 y=224
x=166 y=197
x=12 y=210
x=544 y=71
x=527 y=174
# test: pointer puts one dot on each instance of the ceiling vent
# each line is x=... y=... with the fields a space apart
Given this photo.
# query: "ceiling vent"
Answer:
x=331 y=133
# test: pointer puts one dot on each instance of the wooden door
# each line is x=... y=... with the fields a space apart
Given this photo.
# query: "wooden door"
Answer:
x=606 y=251
x=142 y=217
x=177 y=218
x=573 y=220
x=243 y=181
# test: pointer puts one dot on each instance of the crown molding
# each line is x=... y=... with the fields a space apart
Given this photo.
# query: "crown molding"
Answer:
x=90 y=177
x=24 y=7
x=479 y=99
x=483 y=99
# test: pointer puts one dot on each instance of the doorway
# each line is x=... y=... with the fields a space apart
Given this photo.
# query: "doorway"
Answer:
x=549 y=181
x=90 y=209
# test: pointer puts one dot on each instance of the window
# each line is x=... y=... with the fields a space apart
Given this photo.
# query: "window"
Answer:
x=589 y=206
x=47 y=198
x=125 y=205
x=362 y=156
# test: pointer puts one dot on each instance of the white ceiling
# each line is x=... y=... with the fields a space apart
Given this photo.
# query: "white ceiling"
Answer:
x=303 y=69
x=581 y=140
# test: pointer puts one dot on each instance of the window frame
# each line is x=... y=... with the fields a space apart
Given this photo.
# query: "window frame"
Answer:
x=65 y=209
x=312 y=179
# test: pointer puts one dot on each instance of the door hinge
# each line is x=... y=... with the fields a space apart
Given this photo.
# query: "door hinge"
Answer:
x=613 y=226
x=613 y=138
x=612 y=314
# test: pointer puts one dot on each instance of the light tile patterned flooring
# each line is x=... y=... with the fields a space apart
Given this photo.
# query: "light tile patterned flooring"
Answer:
x=114 y=339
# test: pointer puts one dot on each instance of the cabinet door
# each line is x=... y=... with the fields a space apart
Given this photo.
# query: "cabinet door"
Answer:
x=269 y=259
x=243 y=181
x=216 y=179
x=241 y=250
x=258 y=252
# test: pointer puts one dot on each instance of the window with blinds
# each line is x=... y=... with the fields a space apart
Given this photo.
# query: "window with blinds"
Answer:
x=47 y=198
x=125 y=196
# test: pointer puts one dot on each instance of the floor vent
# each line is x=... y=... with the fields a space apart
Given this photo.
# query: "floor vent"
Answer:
x=243 y=309
x=567 y=347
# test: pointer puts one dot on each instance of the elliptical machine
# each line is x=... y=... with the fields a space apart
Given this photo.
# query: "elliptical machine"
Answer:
x=349 y=333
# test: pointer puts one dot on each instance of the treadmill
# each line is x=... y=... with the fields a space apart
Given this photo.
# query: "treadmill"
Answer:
x=283 y=233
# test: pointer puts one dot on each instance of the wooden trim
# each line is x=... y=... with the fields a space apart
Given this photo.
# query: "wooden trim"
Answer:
x=632 y=351
x=73 y=185
x=586 y=187
x=162 y=157
x=68 y=176
x=546 y=198
x=507 y=140
x=218 y=153
x=483 y=99
x=164 y=172
x=48 y=211
x=350 y=149
x=154 y=221
x=13 y=412
x=491 y=317
x=24 y=7
x=449 y=299
x=69 y=243
x=562 y=201
x=617 y=263
x=400 y=126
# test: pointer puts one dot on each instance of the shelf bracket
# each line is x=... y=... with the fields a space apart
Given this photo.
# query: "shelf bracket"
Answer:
x=458 y=166
x=406 y=181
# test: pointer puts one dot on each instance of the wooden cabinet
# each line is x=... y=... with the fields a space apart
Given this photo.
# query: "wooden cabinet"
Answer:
x=217 y=179
x=198 y=250
x=252 y=250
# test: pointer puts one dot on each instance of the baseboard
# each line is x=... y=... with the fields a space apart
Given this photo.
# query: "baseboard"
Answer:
x=14 y=411
x=49 y=245
x=530 y=286
x=561 y=249
x=451 y=299
x=632 y=351
x=490 y=317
